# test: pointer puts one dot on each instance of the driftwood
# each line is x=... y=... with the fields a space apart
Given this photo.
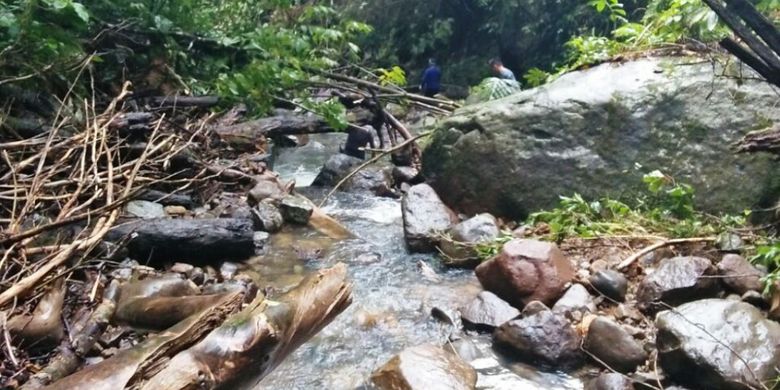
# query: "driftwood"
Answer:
x=160 y=302
x=129 y=365
x=252 y=343
x=71 y=354
x=767 y=140
x=43 y=327
x=245 y=135
x=192 y=240
x=758 y=33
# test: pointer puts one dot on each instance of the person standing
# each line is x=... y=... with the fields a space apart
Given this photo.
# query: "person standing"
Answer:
x=431 y=79
x=500 y=70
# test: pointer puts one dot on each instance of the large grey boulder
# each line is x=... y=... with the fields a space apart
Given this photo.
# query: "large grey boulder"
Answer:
x=426 y=367
x=425 y=218
x=706 y=344
x=587 y=131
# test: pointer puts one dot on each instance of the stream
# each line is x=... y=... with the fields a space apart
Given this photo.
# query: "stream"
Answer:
x=392 y=298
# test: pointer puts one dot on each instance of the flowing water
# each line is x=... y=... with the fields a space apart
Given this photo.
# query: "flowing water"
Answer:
x=392 y=297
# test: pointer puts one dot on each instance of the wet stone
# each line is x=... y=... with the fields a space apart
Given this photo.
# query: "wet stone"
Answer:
x=266 y=217
x=692 y=344
x=677 y=280
x=612 y=284
x=525 y=271
x=610 y=381
x=296 y=210
x=612 y=344
x=739 y=275
x=425 y=367
x=487 y=311
x=543 y=337
x=145 y=209
x=575 y=299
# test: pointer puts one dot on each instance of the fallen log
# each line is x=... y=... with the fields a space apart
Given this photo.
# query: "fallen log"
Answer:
x=246 y=134
x=191 y=240
x=252 y=343
x=118 y=371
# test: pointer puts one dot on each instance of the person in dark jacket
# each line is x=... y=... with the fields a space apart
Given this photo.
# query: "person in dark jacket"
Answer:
x=431 y=79
x=357 y=138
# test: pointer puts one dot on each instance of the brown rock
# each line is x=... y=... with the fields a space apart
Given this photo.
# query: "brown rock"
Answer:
x=525 y=271
x=677 y=280
x=612 y=344
x=739 y=275
x=425 y=367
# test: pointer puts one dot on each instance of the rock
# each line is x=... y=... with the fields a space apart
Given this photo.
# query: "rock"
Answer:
x=610 y=381
x=587 y=130
x=755 y=298
x=267 y=217
x=295 y=209
x=480 y=228
x=739 y=275
x=228 y=270
x=487 y=311
x=175 y=210
x=183 y=268
x=464 y=348
x=611 y=284
x=145 y=209
x=543 y=337
x=338 y=166
x=692 y=345
x=261 y=239
x=677 y=280
x=526 y=270
x=730 y=242
x=406 y=175
x=265 y=189
x=426 y=367
x=610 y=343
x=425 y=216
x=576 y=298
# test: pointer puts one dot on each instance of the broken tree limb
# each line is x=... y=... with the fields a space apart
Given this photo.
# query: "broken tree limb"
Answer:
x=71 y=354
x=760 y=36
x=183 y=101
x=636 y=256
x=194 y=240
x=43 y=327
x=118 y=371
x=767 y=140
x=411 y=96
x=252 y=343
x=371 y=161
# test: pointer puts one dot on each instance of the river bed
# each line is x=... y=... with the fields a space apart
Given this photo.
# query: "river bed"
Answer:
x=392 y=298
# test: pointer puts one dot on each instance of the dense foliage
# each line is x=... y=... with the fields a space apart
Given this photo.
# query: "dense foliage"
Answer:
x=464 y=35
x=247 y=49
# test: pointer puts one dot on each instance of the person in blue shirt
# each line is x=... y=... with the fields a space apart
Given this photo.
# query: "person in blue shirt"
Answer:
x=500 y=70
x=431 y=79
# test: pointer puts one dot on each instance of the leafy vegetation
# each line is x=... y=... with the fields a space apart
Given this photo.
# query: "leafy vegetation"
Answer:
x=492 y=88
x=665 y=209
x=249 y=50
x=768 y=255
